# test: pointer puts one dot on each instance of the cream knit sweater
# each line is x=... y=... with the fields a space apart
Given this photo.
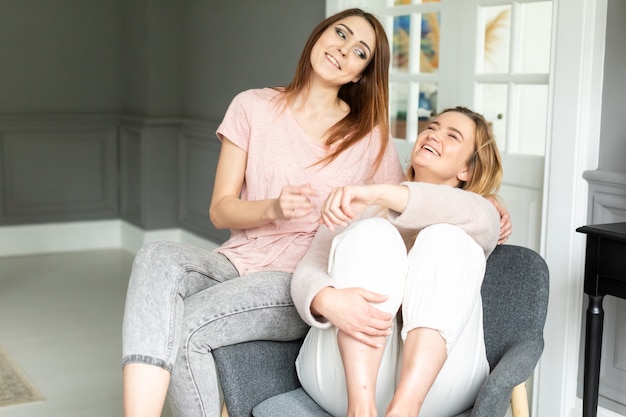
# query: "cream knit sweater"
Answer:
x=428 y=204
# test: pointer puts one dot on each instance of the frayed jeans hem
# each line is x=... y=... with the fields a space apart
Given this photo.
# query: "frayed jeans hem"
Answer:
x=148 y=360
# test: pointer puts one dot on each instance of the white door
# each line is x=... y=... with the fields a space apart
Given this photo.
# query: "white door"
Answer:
x=491 y=56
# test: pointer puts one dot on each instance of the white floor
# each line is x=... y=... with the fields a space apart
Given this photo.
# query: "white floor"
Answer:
x=60 y=320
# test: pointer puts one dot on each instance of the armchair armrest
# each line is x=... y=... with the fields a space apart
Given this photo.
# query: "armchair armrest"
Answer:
x=513 y=368
x=251 y=372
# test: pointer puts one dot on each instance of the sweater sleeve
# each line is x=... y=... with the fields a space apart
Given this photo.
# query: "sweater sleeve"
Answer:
x=311 y=275
x=431 y=204
x=428 y=204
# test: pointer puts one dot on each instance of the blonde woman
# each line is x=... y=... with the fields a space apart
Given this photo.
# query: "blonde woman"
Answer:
x=418 y=252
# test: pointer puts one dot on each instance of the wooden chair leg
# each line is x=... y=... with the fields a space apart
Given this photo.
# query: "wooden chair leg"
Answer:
x=519 y=401
x=224 y=411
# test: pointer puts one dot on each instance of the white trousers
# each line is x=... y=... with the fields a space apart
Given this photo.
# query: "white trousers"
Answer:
x=438 y=285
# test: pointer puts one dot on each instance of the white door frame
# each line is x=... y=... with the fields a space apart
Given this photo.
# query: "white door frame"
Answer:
x=576 y=101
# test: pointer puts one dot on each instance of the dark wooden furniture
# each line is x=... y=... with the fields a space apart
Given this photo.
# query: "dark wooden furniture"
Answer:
x=605 y=274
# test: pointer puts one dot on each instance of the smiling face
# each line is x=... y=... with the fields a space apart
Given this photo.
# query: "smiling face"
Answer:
x=442 y=151
x=343 y=50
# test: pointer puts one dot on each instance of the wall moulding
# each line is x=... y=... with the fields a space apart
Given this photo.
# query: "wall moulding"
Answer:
x=607 y=202
x=58 y=168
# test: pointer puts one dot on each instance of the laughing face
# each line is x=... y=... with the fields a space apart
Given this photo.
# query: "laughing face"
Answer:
x=442 y=151
x=343 y=50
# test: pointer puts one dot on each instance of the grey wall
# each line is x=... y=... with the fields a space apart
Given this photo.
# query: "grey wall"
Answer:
x=234 y=45
x=108 y=108
x=60 y=56
x=613 y=129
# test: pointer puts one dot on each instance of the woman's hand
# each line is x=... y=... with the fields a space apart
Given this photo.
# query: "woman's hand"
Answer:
x=343 y=204
x=349 y=309
x=294 y=201
x=506 y=227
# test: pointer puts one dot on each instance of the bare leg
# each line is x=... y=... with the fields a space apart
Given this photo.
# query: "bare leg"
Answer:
x=442 y=297
x=145 y=388
x=423 y=357
x=361 y=363
x=343 y=375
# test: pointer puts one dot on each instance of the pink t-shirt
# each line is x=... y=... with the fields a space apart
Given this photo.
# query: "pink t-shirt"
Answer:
x=280 y=153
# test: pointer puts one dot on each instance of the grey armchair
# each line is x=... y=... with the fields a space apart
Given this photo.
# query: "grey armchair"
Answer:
x=259 y=379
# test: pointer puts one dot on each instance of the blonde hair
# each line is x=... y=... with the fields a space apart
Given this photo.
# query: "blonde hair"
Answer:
x=485 y=164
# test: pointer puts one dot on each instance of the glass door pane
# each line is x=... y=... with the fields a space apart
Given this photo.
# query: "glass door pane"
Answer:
x=415 y=28
x=512 y=85
x=497 y=30
x=532 y=105
x=493 y=102
x=535 y=35
x=415 y=51
x=399 y=106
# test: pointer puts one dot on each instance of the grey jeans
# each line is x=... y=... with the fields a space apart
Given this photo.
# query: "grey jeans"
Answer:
x=176 y=314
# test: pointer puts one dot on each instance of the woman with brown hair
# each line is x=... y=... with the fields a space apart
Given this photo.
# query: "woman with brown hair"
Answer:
x=283 y=150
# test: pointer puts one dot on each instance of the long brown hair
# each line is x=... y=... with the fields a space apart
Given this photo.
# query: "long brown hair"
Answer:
x=485 y=164
x=368 y=98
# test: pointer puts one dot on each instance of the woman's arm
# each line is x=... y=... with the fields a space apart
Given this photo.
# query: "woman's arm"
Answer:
x=320 y=304
x=506 y=227
x=344 y=204
x=416 y=205
x=311 y=277
x=431 y=204
x=229 y=211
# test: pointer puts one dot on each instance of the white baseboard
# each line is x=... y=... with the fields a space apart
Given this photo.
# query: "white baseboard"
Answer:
x=80 y=236
x=577 y=410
